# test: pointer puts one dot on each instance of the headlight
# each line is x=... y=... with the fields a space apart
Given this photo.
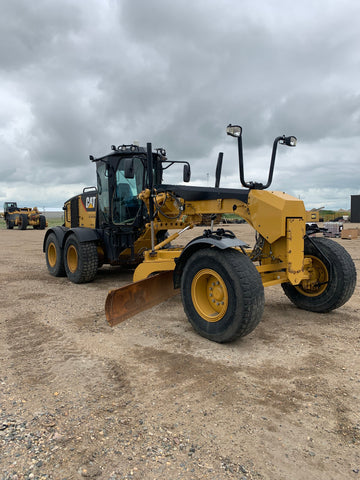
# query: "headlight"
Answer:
x=234 y=130
x=289 y=141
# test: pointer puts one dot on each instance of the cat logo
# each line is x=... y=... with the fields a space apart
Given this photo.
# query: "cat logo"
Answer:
x=90 y=203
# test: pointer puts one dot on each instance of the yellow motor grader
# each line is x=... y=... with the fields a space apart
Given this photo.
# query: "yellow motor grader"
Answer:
x=128 y=219
x=22 y=217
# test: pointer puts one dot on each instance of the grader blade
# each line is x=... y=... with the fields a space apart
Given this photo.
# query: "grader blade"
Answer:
x=127 y=301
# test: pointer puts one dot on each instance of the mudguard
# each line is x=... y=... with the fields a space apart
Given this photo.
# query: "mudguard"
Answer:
x=82 y=234
x=205 y=241
x=59 y=232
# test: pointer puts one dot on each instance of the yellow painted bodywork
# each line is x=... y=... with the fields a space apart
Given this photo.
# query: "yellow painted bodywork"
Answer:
x=86 y=216
x=160 y=261
x=269 y=210
x=279 y=218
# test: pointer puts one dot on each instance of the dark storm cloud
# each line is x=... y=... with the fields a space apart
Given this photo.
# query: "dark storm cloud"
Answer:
x=77 y=76
x=29 y=29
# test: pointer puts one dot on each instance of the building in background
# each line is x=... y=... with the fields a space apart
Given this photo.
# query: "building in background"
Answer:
x=355 y=208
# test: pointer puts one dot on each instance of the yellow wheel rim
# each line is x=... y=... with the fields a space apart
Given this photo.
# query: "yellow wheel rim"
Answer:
x=51 y=253
x=72 y=258
x=318 y=281
x=209 y=295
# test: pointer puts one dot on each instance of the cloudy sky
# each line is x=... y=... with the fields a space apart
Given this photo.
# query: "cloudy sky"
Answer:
x=79 y=75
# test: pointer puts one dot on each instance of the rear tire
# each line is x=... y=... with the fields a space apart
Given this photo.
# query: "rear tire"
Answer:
x=23 y=221
x=81 y=260
x=222 y=294
x=54 y=256
x=331 y=285
x=9 y=224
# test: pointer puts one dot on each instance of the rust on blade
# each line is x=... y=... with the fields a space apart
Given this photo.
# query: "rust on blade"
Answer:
x=127 y=301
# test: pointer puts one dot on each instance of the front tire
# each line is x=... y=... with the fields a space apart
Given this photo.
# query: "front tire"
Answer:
x=333 y=277
x=222 y=294
x=81 y=260
x=54 y=256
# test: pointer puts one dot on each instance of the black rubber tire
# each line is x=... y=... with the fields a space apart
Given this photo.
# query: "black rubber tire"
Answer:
x=54 y=256
x=341 y=278
x=23 y=221
x=9 y=224
x=245 y=294
x=80 y=260
x=42 y=222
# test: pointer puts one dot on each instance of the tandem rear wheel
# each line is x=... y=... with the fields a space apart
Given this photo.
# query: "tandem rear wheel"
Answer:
x=54 y=256
x=80 y=260
x=222 y=294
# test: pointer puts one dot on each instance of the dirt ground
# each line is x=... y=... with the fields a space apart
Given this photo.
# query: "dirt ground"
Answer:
x=151 y=399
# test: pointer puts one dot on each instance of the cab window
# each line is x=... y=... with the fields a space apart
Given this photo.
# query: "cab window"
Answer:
x=125 y=204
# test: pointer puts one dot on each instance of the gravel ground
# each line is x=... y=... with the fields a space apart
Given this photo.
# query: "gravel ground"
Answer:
x=150 y=399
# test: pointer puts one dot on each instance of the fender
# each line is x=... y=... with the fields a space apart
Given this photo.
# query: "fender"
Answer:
x=82 y=234
x=206 y=241
x=59 y=232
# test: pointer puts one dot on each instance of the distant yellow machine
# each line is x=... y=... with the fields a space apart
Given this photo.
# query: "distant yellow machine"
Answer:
x=313 y=215
x=22 y=217
x=127 y=218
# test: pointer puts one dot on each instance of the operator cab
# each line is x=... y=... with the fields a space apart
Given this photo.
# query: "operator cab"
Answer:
x=121 y=176
x=10 y=206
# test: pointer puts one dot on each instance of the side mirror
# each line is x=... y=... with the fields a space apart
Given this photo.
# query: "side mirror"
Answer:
x=234 y=130
x=129 y=168
x=186 y=173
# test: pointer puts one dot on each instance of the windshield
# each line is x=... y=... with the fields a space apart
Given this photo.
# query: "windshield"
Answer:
x=124 y=203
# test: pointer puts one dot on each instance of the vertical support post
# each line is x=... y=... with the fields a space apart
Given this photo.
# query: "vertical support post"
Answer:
x=218 y=169
x=151 y=188
x=295 y=231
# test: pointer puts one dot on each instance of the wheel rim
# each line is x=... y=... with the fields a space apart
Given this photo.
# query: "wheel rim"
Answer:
x=209 y=295
x=318 y=281
x=72 y=258
x=52 y=254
